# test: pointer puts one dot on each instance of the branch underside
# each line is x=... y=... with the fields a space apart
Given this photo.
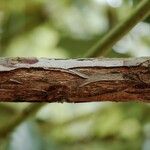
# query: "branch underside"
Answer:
x=74 y=80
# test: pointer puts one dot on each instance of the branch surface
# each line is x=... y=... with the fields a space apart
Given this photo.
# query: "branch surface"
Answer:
x=74 y=80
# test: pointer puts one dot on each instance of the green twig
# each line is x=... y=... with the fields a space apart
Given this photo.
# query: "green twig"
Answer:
x=21 y=117
x=103 y=46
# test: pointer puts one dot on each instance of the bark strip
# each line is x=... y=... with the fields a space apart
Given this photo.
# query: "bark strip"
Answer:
x=74 y=80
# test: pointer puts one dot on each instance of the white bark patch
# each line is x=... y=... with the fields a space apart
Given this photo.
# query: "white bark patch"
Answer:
x=7 y=64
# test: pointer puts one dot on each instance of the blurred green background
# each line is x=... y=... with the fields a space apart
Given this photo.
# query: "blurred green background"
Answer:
x=67 y=29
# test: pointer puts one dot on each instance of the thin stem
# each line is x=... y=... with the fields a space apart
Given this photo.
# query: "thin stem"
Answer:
x=29 y=111
x=103 y=46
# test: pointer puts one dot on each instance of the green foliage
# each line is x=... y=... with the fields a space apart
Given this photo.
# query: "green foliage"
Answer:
x=26 y=137
x=66 y=28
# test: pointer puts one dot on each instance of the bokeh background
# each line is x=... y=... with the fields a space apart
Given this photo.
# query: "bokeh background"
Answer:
x=67 y=29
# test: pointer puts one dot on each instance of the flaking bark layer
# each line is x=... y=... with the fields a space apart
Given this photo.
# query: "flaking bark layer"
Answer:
x=74 y=80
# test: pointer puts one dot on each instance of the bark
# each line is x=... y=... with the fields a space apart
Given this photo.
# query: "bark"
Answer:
x=74 y=80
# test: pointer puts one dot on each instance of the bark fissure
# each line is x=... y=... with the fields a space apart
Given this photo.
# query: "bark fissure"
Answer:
x=74 y=80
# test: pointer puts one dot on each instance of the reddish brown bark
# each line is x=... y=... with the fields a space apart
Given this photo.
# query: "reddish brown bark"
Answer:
x=74 y=80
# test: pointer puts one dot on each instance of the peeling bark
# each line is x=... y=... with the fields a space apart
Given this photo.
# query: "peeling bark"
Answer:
x=74 y=80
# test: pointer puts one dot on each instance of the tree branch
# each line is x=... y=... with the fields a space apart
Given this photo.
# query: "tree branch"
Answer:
x=13 y=81
x=103 y=46
x=74 y=80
